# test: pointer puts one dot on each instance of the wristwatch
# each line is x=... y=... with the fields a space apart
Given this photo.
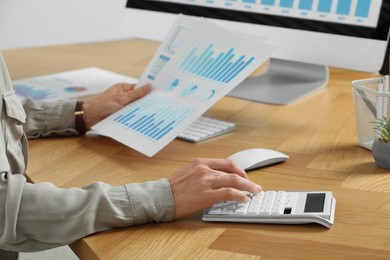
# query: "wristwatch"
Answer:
x=79 y=118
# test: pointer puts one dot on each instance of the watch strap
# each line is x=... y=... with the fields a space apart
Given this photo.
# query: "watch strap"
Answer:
x=79 y=118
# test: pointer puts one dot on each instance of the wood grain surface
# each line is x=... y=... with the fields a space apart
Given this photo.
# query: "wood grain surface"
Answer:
x=318 y=132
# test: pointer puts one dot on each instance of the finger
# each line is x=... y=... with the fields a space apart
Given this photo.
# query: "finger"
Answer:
x=120 y=88
x=234 y=181
x=139 y=92
x=142 y=91
x=130 y=96
x=229 y=194
x=225 y=165
x=127 y=87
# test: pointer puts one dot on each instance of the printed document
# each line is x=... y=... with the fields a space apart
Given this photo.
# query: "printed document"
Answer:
x=196 y=65
x=69 y=84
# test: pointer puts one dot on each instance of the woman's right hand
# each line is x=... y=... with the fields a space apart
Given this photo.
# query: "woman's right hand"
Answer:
x=203 y=182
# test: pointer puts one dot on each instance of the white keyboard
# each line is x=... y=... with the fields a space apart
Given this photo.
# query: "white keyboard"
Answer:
x=279 y=207
x=205 y=128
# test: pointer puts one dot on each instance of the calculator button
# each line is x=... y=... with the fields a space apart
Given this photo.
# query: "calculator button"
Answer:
x=255 y=203
x=215 y=211
x=290 y=199
x=279 y=203
x=263 y=203
x=229 y=209
x=241 y=208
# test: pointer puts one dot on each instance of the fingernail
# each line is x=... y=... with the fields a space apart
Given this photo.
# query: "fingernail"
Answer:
x=259 y=188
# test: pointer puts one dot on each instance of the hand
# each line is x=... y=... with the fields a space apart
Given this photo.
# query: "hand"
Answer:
x=204 y=182
x=111 y=100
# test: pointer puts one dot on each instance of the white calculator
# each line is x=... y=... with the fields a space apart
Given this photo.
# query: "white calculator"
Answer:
x=277 y=207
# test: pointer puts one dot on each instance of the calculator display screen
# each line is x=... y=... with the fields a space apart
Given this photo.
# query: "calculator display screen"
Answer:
x=315 y=202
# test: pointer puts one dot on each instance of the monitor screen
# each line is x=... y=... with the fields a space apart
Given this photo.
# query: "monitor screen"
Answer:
x=350 y=34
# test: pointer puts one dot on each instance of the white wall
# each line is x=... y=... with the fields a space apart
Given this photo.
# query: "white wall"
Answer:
x=30 y=23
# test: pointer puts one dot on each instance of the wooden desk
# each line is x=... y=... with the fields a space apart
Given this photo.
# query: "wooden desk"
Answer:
x=318 y=133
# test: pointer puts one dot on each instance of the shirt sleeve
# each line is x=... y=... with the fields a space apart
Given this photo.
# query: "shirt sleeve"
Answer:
x=35 y=217
x=41 y=216
x=49 y=118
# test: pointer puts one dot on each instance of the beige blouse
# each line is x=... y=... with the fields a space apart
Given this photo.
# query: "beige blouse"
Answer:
x=35 y=217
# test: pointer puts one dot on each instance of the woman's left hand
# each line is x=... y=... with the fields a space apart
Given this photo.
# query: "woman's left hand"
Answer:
x=111 y=100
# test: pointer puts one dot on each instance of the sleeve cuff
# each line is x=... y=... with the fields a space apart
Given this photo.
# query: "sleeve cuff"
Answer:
x=151 y=201
x=50 y=118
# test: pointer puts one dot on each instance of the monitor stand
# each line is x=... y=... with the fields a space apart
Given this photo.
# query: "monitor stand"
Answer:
x=283 y=83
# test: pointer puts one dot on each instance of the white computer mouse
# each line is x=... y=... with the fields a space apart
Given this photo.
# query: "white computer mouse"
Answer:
x=258 y=157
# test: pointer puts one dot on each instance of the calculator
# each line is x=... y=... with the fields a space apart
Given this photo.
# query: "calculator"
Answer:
x=277 y=207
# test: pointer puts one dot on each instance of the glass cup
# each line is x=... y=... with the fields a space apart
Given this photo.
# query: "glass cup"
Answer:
x=372 y=102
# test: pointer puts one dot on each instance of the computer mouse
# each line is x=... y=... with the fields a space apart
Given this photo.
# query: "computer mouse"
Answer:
x=250 y=159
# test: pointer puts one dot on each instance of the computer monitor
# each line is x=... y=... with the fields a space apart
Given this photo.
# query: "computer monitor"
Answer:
x=310 y=35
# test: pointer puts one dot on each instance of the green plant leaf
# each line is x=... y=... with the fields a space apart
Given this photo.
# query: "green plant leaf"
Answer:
x=382 y=128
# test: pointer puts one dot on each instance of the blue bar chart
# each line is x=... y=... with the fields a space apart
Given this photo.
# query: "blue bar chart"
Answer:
x=154 y=118
x=305 y=4
x=356 y=12
x=219 y=66
x=325 y=6
x=160 y=64
x=196 y=65
x=363 y=8
x=344 y=7
x=268 y=2
x=286 y=3
x=25 y=90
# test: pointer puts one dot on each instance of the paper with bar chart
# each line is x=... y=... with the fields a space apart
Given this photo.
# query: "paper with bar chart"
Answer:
x=196 y=65
x=68 y=84
x=356 y=12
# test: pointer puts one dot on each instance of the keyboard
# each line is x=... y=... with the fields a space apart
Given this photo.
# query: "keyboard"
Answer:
x=278 y=207
x=205 y=128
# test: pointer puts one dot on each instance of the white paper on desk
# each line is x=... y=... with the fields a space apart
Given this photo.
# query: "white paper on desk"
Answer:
x=196 y=65
x=69 y=84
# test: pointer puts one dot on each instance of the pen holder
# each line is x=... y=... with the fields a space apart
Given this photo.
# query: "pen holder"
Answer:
x=372 y=102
